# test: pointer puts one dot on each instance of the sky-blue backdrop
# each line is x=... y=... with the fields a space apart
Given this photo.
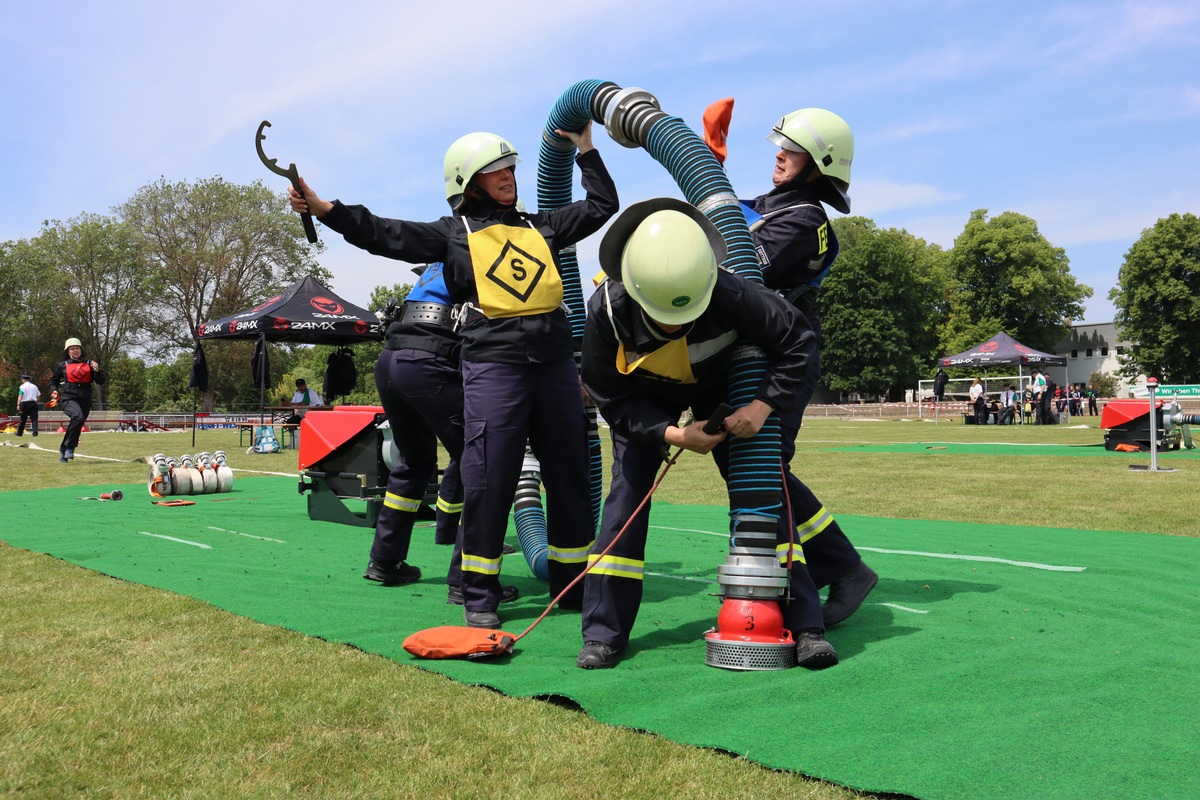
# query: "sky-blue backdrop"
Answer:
x=1082 y=115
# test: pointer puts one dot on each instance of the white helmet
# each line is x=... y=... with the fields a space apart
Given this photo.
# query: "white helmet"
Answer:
x=471 y=155
x=667 y=254
x=828 y=139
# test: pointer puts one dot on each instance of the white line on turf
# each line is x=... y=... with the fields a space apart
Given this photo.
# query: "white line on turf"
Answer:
x=33 y=446
x=682 y=577
x=248 y=535
x=989 y=559
x=952 y=556
x=173 y=539
x=899 y=607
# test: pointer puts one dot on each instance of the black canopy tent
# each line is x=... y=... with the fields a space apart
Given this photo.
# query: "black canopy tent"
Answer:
x=306 y=313
x=1000 y=350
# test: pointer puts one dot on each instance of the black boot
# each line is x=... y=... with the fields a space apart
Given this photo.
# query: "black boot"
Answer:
x=847 y=593
x=392 y=576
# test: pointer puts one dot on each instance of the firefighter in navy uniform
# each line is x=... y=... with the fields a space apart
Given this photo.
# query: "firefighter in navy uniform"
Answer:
x=520 y=382
x=72 y=383
x=661 y=332
x=420 y=387
x=796 y=248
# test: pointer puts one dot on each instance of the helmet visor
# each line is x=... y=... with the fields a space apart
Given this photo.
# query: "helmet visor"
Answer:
x=500 y=163
x=777 y=138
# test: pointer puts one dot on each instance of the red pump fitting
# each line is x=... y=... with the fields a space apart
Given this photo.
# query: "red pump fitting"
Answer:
x=750 y=636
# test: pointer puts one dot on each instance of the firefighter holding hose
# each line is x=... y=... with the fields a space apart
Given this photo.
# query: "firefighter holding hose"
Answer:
x=661 y=333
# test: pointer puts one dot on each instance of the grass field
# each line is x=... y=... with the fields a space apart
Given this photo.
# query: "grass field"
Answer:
x=110 y=689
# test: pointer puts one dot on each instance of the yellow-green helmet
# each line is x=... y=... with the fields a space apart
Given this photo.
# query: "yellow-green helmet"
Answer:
x=668 y=264
x=828 y=139
x=72 y=342
x=471 y=155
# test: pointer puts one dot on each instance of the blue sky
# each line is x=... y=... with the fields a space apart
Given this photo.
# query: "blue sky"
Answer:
x=1081 y=115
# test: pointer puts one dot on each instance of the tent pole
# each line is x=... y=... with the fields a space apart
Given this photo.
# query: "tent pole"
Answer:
x=193 y=418
x=262 y=377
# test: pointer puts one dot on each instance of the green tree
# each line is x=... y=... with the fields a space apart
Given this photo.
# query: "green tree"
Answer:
x=880 y=308
x=1005 y=270
x=382 y=295
x=31 y=319
x=1157 y=299
x=1105 y=383
x=167 y=385
x=127 y=383
x=110 y=287
x=216 y=247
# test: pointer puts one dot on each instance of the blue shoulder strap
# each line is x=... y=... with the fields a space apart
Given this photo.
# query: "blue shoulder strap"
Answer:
x=431 y=286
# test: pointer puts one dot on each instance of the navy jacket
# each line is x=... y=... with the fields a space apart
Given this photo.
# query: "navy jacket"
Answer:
x=641 y=405
x=539 y=338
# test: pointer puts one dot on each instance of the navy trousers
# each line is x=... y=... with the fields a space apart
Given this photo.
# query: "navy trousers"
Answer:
x=422 y=396
x=507 y=405
x=827 y=549
x=613 y=588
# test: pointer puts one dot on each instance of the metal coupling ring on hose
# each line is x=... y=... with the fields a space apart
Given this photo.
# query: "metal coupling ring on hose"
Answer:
x=618 y=108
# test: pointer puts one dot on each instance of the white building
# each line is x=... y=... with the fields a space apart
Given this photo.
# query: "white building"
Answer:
x=1088 y=349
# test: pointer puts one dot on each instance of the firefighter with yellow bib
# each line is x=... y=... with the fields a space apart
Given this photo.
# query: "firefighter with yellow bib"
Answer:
x=661 y=332
x=520 y=381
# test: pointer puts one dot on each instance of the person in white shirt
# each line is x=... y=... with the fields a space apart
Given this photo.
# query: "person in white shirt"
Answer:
x=978 y=403
x=1007 y=398
x=27 y=405
x=1037 y=386
x=302 y=399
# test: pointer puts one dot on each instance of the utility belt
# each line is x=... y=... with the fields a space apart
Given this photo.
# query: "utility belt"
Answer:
x=437 y=314
x=468 y=313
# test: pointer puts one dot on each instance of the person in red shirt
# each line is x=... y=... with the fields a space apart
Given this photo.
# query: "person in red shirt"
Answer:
x=72 y=381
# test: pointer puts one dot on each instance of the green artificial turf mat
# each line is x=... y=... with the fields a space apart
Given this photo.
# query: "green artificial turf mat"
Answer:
x=991 y=661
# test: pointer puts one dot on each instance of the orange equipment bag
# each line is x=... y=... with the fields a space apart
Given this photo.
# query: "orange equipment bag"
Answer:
x=448 y=641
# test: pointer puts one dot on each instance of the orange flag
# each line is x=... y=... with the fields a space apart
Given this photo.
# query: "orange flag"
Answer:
x=716 y=126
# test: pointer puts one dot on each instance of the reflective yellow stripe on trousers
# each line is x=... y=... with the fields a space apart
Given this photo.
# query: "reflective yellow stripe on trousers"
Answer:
x=485 y=566
x=569 y=555
x=447 y=507
x=781 y=550
x=814 y=525
x=410 y=504
x=617 y=567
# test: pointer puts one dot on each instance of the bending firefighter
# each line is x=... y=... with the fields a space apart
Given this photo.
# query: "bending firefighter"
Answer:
x=662 y=330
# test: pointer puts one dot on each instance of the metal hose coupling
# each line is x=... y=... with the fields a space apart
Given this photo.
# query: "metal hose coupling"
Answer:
x=629 y=114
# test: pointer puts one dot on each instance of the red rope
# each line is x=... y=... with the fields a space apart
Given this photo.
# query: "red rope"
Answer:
x=604 y=552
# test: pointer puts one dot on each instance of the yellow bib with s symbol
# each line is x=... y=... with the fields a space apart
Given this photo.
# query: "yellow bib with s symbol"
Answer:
x=514 y=271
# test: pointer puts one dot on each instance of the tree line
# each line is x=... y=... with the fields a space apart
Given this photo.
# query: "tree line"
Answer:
x=135 y=284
